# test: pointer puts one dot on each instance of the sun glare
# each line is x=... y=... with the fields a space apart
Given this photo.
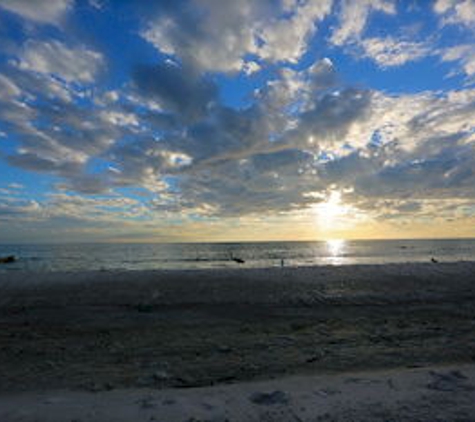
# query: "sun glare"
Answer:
x=336 y=251
x=331 y=212
x=335 y=247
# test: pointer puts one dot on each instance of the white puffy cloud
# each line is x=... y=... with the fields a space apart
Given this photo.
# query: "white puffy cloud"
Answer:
x=219 y=36
x=463 y=54
x=72 y=64
x=251 y=67
x=389 y=51
x=294 y=91
x=456 y=11
x=214 y=35
x=286 y=39
x=353 y=18
x=120 y=118
x=41 y=11
x=461 y=13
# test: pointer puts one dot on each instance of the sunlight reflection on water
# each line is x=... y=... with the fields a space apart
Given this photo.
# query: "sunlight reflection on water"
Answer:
x=336 y=251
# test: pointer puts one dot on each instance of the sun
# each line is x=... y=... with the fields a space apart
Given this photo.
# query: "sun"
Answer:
x=332 y=213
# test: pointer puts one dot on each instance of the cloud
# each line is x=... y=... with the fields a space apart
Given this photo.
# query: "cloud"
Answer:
x=219 y=146
x=262 y=183
x=286 y=39
x=15 y=114
x=229 y=161
x=322 y=75
x=176 y=89
x=8 y=89
x=98 y=209
x=303 y=133
x=329 y=119
x=220 y=36
x=461 y=13
x=56 y=58
x=431 y=155
x=209 y=34
x=456 y=11
x=41 y=11
x=354 y=16
x=59 y=136
x=463 y=54
x=251 y=67
x=389 y=52
x=144 y=163
x=23 y=209
x=16 y=186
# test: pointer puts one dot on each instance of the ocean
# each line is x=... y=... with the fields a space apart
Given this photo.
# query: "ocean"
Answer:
x=100 y=256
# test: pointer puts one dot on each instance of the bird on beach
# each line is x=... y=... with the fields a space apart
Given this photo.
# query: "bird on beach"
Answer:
x=434 y=260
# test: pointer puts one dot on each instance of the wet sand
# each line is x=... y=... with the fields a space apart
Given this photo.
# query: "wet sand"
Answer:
x=94 y=332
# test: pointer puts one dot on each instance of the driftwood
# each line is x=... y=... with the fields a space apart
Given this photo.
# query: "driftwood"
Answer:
x=238 y=260
x=7 y=259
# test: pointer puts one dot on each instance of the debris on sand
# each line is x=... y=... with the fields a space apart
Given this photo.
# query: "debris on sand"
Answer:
x=238 y=260
x=268 y=399
x=8 y=259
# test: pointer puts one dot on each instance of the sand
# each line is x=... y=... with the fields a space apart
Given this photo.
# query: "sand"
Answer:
x=440 y=394
x=240 y=344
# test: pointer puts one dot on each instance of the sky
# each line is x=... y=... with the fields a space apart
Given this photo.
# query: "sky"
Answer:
x=236 y=120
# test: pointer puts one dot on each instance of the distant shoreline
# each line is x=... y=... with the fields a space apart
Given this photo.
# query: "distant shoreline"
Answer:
x=22 y=275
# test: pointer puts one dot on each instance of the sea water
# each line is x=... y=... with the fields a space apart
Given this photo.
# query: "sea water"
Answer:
x=102 y=256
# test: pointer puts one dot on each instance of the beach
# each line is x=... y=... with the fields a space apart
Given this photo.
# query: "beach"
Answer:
x=252 y=342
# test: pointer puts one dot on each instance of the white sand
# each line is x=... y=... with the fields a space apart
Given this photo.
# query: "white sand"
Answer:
x=435 y=394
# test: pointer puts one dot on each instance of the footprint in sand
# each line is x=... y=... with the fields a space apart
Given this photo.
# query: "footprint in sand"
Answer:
x=268 y=399
x=450 y=381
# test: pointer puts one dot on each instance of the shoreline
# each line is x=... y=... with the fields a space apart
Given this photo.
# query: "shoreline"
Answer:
x=243 y=267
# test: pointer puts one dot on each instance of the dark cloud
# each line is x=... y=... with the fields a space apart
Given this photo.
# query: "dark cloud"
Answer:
x=333 y=113
x=265 y=182
x=439 y=168
x=177 y=89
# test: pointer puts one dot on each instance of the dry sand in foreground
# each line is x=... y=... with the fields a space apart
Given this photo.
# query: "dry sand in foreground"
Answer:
x=429 y=394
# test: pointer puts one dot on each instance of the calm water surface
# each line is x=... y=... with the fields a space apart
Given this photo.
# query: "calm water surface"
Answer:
x=78 y=257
